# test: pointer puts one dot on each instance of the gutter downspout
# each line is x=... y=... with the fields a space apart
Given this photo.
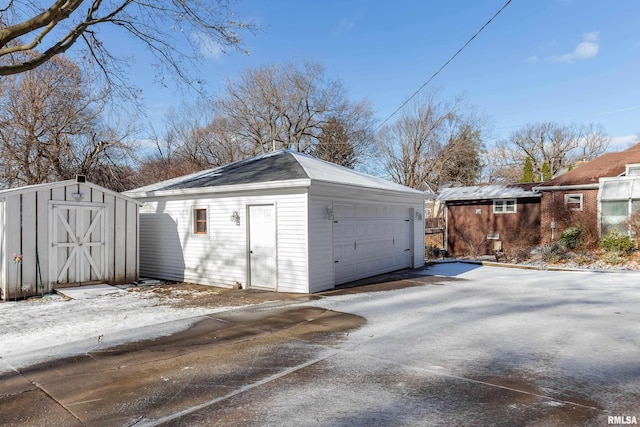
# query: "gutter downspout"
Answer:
x=553 y=216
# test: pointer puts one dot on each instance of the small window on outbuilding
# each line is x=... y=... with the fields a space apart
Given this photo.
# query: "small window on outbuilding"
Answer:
x=573 y=202
x=504 y=206
x=200 y=220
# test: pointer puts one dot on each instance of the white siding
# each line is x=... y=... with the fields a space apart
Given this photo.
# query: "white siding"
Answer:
x=119 y=240
x=160 y=246
x=13 y=245
x=110 y=231
x=321 y=266
x=291 y=232
x=169 y=248
x=43 y=245
x=417 y=218
x=29 y=240
x=321 y=257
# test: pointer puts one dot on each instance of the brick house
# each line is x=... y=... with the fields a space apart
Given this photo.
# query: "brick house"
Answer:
x=572 y=198
x=482 y=219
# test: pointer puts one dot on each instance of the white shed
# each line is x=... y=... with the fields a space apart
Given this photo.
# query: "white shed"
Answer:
x=282 y=221
x=67 y=232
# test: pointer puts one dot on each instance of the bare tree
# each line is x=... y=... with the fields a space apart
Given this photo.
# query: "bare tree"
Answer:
x=333 y=145
x=51 y=127
x=551 y=143
x=174 y=31
x=432 y=143
x=204 y=139
x=460 y=159
x=290 y=106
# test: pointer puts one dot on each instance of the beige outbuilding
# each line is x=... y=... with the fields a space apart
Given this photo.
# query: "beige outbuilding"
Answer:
x=65 y=233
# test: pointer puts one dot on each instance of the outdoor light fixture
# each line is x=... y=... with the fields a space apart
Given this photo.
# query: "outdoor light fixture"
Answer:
x=235 y=217
x=77 y=196
x=418 y=216
x=329 y=213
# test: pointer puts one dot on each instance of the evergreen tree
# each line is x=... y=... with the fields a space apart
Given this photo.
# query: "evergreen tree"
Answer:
x=545 y=172
x=527 y=175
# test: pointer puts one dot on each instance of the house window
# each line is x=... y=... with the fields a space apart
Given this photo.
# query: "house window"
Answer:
x=504 y=206
x=200 y=221
x=573 y=202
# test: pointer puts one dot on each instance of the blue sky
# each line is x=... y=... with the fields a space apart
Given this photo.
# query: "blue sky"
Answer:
x=545 y=60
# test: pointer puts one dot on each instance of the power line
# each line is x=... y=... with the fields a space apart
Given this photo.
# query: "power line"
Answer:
x=443 y=65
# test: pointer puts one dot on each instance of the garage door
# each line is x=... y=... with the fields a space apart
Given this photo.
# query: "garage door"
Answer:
x=370 y=240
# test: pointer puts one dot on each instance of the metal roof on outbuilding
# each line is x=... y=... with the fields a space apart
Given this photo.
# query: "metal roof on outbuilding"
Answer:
x=483 y=192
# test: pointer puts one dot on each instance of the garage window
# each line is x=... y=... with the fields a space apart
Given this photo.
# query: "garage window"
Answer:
x=200 y=220
x=504 y=206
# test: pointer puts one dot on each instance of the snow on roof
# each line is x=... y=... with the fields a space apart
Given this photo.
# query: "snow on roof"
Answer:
x=320 y=170
x=480 y=192
x=278 y=166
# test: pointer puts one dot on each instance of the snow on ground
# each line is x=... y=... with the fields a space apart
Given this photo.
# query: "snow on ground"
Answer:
x=31 y=328
x=570 y=336
x=522 y=310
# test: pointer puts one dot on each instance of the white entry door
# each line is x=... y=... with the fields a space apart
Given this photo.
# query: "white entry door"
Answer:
x=262 y=246
x=370 y=240
x=78 y=243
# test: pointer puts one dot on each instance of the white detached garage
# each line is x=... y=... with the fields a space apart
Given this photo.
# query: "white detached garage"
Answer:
x=282 y=221
x=62 y=233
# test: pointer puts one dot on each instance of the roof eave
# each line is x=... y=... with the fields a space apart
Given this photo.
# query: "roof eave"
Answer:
x=496 y=197
x=408 y=191
x=49 y=185
x=567 y=187
x=304 y=182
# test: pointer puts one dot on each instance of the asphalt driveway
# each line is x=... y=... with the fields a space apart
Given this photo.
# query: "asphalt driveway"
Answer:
x=481 y=346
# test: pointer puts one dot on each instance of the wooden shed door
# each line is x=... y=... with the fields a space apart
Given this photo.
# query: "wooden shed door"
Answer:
x=78 y=243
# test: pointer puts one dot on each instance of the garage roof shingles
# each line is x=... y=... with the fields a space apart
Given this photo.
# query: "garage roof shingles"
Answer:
x=247 y=171
x=277 y=166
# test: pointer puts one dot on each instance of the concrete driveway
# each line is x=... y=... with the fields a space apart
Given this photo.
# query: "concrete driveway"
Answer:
x=479 y=346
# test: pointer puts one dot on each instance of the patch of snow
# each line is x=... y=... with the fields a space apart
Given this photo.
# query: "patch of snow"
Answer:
x=34 y=326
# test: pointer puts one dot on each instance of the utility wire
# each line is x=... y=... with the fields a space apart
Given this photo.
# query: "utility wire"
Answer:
x=443 y=65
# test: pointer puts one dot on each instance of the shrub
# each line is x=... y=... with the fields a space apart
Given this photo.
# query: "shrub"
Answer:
x=570 y=238
x=432 y=251
x=614 y=258
x=633 y=222
x=616 y=241
x=521 y=241
x=521 y=252
x=582 y=258
x=587 y=224
x=552 y=253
